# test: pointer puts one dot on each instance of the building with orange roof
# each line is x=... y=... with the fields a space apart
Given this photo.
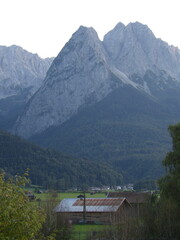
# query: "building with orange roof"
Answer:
x=93 y=210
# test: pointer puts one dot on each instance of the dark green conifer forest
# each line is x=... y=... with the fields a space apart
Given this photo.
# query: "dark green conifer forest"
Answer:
x=52 y=169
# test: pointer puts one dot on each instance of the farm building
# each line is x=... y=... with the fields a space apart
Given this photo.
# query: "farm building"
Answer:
x=137 y=200
x=93 y=210
x=134 y=198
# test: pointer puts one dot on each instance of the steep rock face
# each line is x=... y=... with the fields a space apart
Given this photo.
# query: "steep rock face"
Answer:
x=79 y=76
x=135 y=49
x=20 y=70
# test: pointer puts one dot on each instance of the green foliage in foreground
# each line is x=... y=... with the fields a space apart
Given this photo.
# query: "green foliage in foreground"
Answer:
x=19 y=219
x=170 y=184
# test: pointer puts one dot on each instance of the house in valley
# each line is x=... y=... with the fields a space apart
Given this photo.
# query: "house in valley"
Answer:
x=134 y=198
x=138 y=200
x=92 y=210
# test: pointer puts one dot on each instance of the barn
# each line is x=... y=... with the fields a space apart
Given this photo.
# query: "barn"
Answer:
x=92 y=210
x=138 y=200
x=134 y=198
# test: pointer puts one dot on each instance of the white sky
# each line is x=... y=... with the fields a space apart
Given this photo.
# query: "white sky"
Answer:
x=44 y=26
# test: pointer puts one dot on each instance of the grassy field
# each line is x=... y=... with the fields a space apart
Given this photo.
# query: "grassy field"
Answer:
x=60 y=196
x=81 y=231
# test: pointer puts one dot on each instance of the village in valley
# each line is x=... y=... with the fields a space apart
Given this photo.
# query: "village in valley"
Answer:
x=94 y=208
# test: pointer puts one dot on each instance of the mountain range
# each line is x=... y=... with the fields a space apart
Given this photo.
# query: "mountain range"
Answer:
x=87 y=70
x=21 y=75
x=109 y=101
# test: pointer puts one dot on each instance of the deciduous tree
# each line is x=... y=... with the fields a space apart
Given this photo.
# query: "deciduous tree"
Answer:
x=19 y=218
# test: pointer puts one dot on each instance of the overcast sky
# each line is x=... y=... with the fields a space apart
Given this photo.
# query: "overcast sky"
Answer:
x=44 y=26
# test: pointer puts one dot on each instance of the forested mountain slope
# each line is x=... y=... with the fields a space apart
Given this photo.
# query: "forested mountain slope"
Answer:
x=126 y=129
x=52 y=169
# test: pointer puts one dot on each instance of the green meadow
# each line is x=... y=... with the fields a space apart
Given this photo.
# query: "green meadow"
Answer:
x=81 y=231
x=61 y=196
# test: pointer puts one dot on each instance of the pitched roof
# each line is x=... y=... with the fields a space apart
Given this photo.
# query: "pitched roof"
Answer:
x=132 y=197
x=92 y=205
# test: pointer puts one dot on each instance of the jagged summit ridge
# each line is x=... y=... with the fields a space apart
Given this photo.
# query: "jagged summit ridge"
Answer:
x=114 y=40
x=134 y=49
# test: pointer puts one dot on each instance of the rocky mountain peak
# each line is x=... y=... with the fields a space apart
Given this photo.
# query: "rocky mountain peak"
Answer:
x=21 y=74
x=86 y=31
x=140 y=34
x=79 y=76
x=83 y=35
x=140 y=29
x=115 y=32
x=83 y=46
x=20 y=70
x=113 y=39
x=134 y=49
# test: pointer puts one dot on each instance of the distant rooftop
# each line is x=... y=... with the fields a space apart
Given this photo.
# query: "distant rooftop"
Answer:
x=92 y=204
x=132 y=197
x=99 y=202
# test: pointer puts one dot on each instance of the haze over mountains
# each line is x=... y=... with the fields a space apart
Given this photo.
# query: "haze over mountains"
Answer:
x=109 y=101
